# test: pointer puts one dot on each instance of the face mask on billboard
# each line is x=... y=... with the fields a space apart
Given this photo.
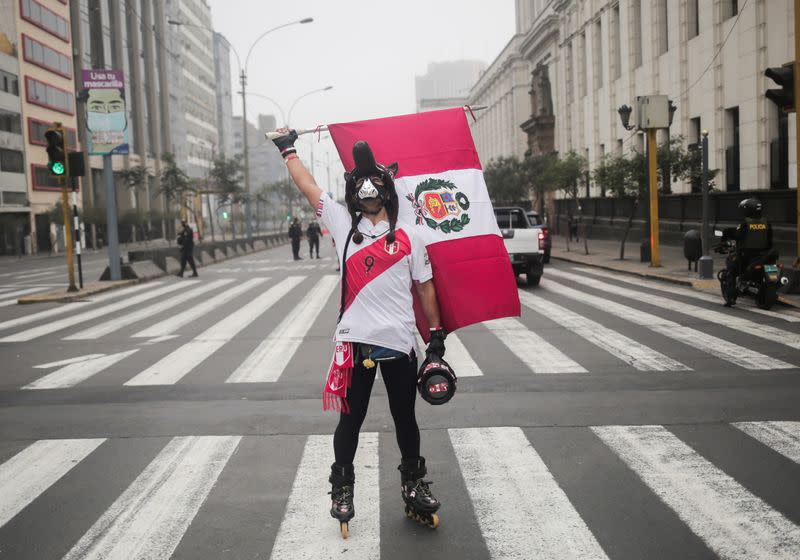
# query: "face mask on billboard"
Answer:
x=100 y=122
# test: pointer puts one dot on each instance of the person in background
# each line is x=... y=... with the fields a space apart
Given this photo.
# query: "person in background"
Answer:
x=186 y=244
x=295 y=233
x=314 y=232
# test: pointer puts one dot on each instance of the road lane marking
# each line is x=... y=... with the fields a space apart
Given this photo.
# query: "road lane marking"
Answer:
x=457 y=356
x=307 y=532
x=66 y=322
x=733 y=522
x=10 y=298
x=68 y=361
x=617 y=344
x=72 y=307
x=768 y=332
x=783 y=437
x=37 y=467
x=722 y=349
x=521 y=510
x=149 y=519
x=785 y=315
x=268 y=361
x=534 y=351
x=171 y=324
x=72 y=374
x=113 y=325
x=171 y=369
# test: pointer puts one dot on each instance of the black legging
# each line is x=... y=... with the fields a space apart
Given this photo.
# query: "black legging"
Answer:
x=400 y=378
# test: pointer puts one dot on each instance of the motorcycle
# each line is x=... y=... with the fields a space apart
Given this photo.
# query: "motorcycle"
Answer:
x=761 y=278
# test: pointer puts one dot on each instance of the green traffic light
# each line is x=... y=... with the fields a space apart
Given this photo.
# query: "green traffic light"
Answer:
x=57 y=168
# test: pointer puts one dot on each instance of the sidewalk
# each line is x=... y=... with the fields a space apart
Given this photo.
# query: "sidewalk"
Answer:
x=604 y=253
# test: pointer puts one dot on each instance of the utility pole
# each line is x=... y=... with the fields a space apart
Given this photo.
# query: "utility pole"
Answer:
x=797 y=120
x=652 y=151
x=706 y=262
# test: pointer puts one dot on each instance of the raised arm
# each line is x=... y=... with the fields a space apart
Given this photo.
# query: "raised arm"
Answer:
x=300 y=175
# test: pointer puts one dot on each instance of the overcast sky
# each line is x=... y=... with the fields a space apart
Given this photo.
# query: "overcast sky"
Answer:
x=368 y=50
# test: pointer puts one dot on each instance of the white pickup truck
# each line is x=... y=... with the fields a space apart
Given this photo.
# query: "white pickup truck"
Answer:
x=524 y=243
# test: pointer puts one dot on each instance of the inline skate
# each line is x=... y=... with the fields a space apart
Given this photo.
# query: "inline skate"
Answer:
x=342 y=480
x=421 y=505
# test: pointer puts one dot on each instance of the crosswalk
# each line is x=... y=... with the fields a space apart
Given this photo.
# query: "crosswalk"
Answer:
x=171 y=332
x=505 y=482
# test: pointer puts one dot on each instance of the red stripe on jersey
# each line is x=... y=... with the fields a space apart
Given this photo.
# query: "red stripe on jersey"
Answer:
x=367 y=264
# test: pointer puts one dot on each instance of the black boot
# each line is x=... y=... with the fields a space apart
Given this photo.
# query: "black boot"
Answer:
x=342 y=480
x=421 y=505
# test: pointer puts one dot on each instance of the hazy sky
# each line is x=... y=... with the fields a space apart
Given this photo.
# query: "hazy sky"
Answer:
x=368 y=50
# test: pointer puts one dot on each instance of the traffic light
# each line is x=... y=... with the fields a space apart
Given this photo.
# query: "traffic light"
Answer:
x=784 y=77
x=224 y=214
x=56 y=152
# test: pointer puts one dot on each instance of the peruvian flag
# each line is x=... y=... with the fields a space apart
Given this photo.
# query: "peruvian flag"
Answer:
x=443 y=195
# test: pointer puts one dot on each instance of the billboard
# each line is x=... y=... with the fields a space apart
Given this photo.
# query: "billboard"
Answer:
x=106 y=116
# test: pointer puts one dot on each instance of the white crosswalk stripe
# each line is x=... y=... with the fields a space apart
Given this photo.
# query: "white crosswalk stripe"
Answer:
x=307 y=531
x=732 y=521
x=268 y=361
x=783 y=437
x=10 y=298
x=34 y=469
x=760 y=330
x=785 y=315
x=171 y=324
x=520 y=507
x=456 y=355
x=172 y=368
x=102 y=329
x=72 y=374
x=521 y=510
x=626 y=349
x=534 y=351
x=150 y=517
x=739 y=355
x=72 y=307
x=102 y=311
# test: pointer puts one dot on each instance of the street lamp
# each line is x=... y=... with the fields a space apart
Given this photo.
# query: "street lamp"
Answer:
x=326 y=88
x=283 y=113
x=243 y=81
x=625 y=115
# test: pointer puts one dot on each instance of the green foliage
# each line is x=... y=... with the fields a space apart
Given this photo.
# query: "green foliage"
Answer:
x=57 y=214
x=622 y=176
x=567 y=173
x=507 y=180
x=174 y=184
x=226 y=176
x=134 y=178
x=95 y=215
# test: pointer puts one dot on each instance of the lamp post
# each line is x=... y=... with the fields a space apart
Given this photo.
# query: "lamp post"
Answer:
x=326 y=88
x=243 y=82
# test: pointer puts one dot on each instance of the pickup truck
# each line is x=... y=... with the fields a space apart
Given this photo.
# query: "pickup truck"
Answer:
x=536 y=221
x=524 y=244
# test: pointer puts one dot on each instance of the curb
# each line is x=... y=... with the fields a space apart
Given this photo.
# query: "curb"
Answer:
x=696 y=284
x=104 y=286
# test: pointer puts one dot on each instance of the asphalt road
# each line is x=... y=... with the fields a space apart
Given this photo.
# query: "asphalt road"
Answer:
x=617 y=418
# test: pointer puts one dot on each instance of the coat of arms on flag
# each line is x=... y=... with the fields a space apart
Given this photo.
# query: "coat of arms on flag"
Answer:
x=440 y=205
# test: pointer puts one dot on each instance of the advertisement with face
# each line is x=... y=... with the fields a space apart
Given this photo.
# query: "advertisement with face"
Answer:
x=106 y=117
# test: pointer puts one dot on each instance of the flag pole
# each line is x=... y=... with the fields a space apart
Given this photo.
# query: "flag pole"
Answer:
x=323 y=128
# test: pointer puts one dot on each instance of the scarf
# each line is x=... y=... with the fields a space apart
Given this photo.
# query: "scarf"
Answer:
x=340 y=377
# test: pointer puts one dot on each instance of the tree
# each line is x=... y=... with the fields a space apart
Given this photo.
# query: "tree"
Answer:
x=624 y=177
x=174 y=183
x=566 y=175
x=539 y=170
x=507 y=180
x=226 y=177
x=287 y=193
x=135 y=180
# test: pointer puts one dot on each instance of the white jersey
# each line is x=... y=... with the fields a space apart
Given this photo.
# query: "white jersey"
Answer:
x=378 y=304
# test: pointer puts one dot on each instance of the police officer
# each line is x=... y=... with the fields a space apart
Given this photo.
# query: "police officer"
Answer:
x=314 y=232
x=753 y=238
x=295 y=233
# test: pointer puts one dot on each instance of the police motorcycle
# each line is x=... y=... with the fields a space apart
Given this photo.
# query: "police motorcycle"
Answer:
x=751 y=264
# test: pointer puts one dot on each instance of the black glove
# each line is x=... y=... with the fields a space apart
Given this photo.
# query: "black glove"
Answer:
x=436 y=344
x=286 y=142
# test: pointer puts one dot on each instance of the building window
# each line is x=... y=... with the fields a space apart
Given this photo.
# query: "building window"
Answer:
x=10 y=122
x=616 y=55
x=9 y=83
x=732 y=149
x=569 y=74
x=620 y=143
x=11 y=161
x=693 y=17
x=636 y=33
x=42 y=180
x=43 y=18
x=42 y=55
x=779 y=149
x=600 y=159
x=45 y=95
x=597 y=54
x=695 y=132
x=730 y=8
x=663 y=27
x=584 y=53
x=37 y=128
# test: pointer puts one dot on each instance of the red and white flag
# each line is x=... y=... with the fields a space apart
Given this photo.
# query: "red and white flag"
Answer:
x=443 y=195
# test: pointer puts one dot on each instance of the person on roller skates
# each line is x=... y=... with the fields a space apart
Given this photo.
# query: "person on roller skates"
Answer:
x=380 y=264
